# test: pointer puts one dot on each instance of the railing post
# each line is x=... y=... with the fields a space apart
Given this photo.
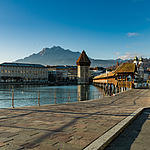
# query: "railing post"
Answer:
x=50 y=97
x=13 y=98
x=86 y=95
x=55 y=97
x=68 y=97
x=39 y=98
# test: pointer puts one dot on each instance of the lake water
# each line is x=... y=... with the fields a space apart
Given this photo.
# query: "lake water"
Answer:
x=29 y=95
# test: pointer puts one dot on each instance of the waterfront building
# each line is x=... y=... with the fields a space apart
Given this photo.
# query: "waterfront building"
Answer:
x=143 y=71
x=139 y=77
x=141 y=61
x=140 y=69
x=146 y=75
x=83 y=64
x=95 y=71
x=62 y=73
x=21 y=72
x=142 y=76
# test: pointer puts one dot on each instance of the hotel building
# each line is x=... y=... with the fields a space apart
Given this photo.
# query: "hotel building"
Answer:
x=21 y=72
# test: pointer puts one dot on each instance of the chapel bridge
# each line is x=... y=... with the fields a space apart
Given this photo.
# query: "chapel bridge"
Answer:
x=117 y=80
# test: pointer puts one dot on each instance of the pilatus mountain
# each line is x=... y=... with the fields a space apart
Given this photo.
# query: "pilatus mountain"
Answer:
x=59 y=56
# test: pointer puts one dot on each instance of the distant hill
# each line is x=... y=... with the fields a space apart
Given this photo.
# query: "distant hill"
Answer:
x=105 y=63
x=59 y=56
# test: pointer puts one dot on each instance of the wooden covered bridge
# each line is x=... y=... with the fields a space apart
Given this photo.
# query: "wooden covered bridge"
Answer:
x=117 y=80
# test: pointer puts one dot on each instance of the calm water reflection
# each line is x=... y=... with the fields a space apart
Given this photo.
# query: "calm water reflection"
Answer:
x=28 y=95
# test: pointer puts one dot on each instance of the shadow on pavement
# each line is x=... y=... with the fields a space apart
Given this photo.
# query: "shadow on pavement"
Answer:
x=128 y=136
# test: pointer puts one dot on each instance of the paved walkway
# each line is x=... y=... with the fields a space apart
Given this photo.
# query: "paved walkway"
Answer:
x=66 y=126
x=136 y=136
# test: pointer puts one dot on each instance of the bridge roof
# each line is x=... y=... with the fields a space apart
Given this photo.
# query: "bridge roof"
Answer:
x=105 y=75
x=126 y=68
x=122 y=69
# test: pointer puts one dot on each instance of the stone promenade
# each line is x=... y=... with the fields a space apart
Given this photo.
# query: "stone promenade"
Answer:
x=66 y=126
x=136 y=136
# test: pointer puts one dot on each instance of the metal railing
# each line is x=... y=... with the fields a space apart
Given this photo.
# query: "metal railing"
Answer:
x=41 y=97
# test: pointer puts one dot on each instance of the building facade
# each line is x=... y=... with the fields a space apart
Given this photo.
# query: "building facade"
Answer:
x=21 y=72
x=62 y=73
x=136 y=60
x=97 y=71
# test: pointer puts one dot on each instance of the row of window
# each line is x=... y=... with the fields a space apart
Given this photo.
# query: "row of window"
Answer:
x=23 y=72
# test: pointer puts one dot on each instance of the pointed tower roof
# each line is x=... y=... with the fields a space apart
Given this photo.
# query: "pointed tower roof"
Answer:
x=135 y=58
x=141 y=59
x=83 y=60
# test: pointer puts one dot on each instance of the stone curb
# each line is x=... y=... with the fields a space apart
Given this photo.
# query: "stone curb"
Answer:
x=109 y=136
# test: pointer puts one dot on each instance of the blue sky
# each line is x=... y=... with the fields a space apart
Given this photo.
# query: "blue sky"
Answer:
x=106 y=29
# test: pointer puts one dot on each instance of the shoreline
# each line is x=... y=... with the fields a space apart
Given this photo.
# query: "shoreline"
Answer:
x=67 y=126
x=67 y=103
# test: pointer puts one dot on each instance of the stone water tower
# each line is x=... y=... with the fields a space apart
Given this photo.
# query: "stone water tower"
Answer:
x=83 y=64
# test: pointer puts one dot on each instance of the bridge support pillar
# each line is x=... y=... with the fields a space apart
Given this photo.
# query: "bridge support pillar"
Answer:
x=107 y=89
x=119 y=89
x=114 y=89
x=110 y=89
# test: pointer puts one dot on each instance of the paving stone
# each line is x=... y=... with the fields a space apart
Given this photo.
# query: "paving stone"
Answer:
x=69 y=126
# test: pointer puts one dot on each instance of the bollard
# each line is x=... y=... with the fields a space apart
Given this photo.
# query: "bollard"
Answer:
x=39 y=98
x=13 y=99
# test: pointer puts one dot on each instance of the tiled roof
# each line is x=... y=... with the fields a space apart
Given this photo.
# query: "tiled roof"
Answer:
x=22 y=65
x=62 y=67
x=83 y=60
x=123 y=68
x=126 y=68
x=105 y=75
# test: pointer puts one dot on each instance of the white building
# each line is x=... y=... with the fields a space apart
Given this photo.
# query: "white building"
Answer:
x=136 y=61
x=142 y=74
x=140 y=61
x=20 y=72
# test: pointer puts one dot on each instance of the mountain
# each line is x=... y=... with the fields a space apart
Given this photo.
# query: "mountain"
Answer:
x=59 y=56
